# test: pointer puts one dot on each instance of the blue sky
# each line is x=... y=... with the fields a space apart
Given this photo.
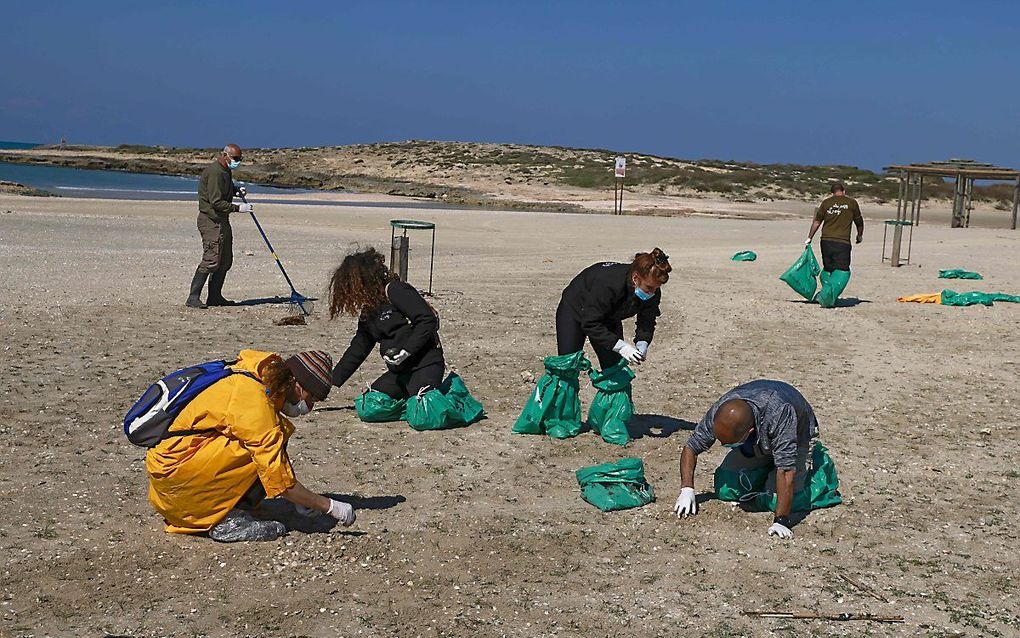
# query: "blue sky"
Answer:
x=864 y=83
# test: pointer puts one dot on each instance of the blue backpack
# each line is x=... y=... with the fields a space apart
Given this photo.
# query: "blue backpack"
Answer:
x=148 y=421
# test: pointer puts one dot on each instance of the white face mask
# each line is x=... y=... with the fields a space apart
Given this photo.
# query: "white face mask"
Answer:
x=296 y=409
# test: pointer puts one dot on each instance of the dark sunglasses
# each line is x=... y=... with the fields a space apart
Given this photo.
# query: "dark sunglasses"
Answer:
x=236 y=159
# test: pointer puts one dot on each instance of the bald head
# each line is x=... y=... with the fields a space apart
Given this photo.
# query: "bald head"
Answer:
x=733 y=420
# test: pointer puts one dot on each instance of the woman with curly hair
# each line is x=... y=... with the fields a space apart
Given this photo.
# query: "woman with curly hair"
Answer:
x=597 y=300
x=392 y=314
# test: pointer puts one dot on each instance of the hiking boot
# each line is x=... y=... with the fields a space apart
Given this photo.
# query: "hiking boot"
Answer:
x=197 y=283
x=239 y=525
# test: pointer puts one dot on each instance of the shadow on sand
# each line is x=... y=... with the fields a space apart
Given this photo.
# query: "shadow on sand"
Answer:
x=279 y=509
x=656 y=426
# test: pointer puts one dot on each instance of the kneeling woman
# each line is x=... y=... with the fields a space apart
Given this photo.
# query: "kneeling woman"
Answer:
x=597 y=300
x=227 y=450
x=392 y=314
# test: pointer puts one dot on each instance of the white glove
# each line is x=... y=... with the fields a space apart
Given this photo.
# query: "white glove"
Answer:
x=628 y=352
x=686 y=503
x=642 y=347
x=245 y=208
x=780 y=530
x=397 y=359
x=342 y=512
x=807 y=242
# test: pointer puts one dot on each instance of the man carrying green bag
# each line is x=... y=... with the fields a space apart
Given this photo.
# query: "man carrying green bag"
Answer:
x=612 y=407
x=554 y=407
x=615 y=486
x=769 y=427
x=835 y=216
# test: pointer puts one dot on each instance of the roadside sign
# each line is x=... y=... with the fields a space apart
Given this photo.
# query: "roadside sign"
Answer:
x=621 y=166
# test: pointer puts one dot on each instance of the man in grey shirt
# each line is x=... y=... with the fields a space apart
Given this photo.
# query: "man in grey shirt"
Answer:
x=764 y=423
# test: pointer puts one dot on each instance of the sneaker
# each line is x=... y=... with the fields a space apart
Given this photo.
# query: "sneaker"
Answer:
x=239 y=525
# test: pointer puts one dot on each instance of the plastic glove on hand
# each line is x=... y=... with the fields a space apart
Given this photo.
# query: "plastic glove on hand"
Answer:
x=628 y=352
x=397 y=359
x=342 y=512
x=642 y=347
x=780 y=530
x=686 y=503
x=245 y=208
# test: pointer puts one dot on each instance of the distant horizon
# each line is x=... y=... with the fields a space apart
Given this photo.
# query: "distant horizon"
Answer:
x=768 y=83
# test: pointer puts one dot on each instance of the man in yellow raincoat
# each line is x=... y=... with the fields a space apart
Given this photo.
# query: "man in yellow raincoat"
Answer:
x=235 y=451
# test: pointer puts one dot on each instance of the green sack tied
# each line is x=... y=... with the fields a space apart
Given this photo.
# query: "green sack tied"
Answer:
x=959 y=273
x=832 y=286
x=744 y=255
x=953 y=298
x=802 y=275
x=615 y=486
x=554 y=407
x=612 y=406
x=821 y=485
x=448 y=406
x=378 y=407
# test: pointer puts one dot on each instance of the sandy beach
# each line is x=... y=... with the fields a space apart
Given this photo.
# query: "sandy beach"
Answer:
x=479 y=532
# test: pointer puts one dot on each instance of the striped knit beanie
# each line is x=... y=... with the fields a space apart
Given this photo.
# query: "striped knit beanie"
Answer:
x=313 y=371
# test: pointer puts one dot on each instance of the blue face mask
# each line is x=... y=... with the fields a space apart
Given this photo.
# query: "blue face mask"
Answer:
x=642 y=295
x=733 y=446
x=234 y=164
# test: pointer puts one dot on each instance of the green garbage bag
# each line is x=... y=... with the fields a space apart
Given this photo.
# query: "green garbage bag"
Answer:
x=554 y=407
x=615 y=486
x=953 y=298
x=958 y=273
x=802 y=275
x=612 y=406
x=821 y=485
x=744 y=255
x=832 y=286
x=378 y=407
x=448 y=406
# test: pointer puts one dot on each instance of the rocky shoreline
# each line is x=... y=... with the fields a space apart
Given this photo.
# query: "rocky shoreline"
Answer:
x=14 y=188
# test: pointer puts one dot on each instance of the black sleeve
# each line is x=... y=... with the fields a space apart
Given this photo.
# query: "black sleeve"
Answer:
x=355 y=355
x=646 y=318
x=424 y=323
x=597 y=306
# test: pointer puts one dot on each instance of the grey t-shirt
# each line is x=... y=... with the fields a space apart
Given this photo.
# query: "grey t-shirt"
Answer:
x=783 y=420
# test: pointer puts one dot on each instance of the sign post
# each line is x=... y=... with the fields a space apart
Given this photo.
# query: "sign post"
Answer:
x=621 y=172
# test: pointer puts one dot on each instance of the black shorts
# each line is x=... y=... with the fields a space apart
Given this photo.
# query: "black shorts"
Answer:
x=835 y=255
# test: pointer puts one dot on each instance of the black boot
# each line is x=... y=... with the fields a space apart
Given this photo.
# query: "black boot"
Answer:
x=216 y=290
x=197 y=283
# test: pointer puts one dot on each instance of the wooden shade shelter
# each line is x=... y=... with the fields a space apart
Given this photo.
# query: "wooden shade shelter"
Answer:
x=965 y=172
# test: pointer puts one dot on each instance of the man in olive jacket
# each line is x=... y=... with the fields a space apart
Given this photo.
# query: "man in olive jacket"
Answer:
x=215 y=203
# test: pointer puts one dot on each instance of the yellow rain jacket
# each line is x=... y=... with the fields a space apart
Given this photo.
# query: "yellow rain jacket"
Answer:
x=194 y=480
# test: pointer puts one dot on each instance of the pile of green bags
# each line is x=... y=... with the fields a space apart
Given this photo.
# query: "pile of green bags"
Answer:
x=952 y=298
x=744 y=255
x=802 y=276
x=449 y=406
x=957 y=273
x=555 y=409
x=821 y=487
x=615 y=486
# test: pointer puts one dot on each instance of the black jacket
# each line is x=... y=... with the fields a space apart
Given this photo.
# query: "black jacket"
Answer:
x=604 y=294
x=407 y=322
